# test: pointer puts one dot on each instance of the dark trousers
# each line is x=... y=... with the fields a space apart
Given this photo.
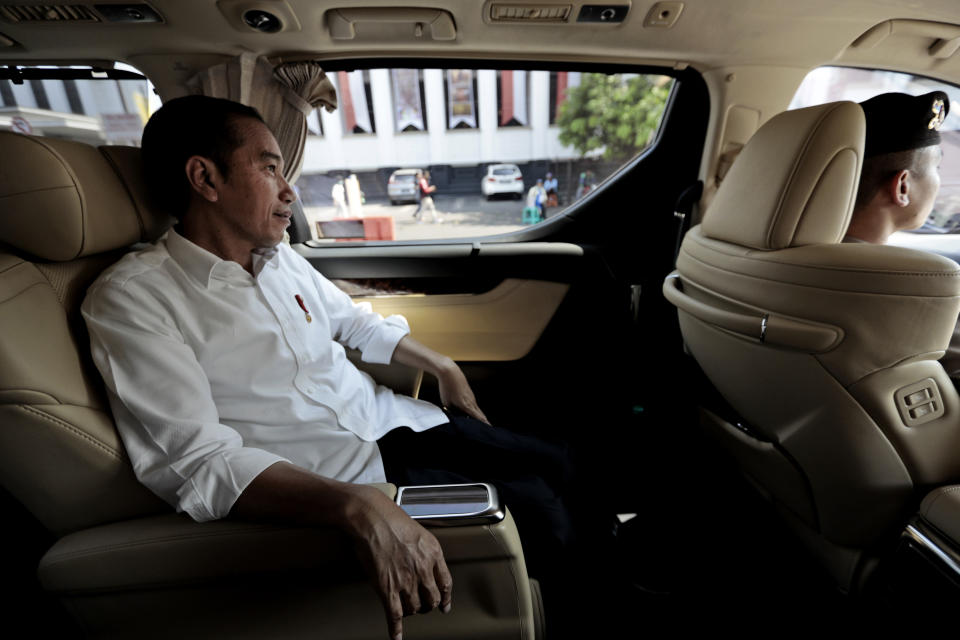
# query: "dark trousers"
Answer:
x=530 y=475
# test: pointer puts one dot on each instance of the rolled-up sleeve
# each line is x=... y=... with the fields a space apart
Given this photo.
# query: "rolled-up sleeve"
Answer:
x=163 y=406
x=357 y=326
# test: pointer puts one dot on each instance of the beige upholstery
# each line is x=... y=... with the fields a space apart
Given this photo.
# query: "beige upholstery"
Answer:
x=941 y=508
x=211 y=578
x=809 y=340
x=67 y=211
x=807 y=197
x=71 y=195
x=60 y=454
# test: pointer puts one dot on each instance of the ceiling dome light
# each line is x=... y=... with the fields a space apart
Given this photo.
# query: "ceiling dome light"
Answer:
x=262 y=21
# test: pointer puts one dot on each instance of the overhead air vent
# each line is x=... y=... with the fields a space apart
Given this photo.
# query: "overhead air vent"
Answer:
x=48 y=13
x=507 y=12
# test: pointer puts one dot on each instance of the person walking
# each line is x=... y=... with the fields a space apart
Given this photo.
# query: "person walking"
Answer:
x=339 y=195
x=426 y=199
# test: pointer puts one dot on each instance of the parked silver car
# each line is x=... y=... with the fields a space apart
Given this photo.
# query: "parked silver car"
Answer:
x=402 y=186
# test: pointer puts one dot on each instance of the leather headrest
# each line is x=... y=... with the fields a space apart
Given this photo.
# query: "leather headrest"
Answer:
x=61 y=200
x=794 y=183
x=127 y=163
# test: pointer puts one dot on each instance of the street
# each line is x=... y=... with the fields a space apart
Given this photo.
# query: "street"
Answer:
x=463 y=217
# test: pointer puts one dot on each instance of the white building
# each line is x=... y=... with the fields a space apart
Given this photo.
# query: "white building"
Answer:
x=423 y=117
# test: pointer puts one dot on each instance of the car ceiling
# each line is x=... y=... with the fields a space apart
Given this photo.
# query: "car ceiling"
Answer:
x=708 y=34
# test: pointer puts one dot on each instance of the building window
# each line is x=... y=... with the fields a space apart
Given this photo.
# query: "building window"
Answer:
x=512 y=91
x=356 y=102
x=460 y=91
x=409 y=101
x=560 y=84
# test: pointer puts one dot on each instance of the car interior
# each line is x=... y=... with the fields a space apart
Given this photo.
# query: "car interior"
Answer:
x=760 y=404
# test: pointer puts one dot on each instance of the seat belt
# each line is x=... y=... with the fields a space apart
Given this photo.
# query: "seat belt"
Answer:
x=689 y=197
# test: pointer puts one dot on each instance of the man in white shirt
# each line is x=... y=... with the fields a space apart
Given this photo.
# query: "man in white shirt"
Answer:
x=221 y=352
x=339 y=195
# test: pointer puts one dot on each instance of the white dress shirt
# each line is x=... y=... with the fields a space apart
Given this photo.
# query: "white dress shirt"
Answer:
x=214 y=374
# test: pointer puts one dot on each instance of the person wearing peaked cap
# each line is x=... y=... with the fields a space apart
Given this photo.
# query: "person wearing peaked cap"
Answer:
x=900 y=176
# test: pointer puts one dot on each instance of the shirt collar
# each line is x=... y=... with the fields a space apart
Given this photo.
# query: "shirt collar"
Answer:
x=265 y=257
x=202 y=265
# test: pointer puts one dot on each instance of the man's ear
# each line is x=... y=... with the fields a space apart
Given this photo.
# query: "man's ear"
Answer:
x=898 y=188
x=203 y=176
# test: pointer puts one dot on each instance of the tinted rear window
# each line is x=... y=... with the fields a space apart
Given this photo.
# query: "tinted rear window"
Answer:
x=504 y=171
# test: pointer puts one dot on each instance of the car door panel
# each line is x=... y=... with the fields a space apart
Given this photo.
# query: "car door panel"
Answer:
x=501 y=324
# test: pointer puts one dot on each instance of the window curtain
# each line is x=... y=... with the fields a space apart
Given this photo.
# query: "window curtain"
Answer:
x=285 y=96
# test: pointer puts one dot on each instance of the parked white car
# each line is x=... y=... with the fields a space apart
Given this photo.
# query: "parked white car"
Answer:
x=502 y=178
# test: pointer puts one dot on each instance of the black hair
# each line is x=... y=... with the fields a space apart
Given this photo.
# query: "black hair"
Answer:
x=877 y=170
x=182 y=128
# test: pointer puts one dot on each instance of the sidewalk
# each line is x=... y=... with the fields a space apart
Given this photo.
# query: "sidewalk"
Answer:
x=463 y=217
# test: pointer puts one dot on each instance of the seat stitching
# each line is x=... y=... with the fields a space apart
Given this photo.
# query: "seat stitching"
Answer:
x=72 y=429
x=40 y=190
x=52 y=397
x=940 y=494
x=951 y=274
x=515 y=581
x=186 y=536
x=778 y=210
x=116 y=169
x=14 y=265
x=25 y=289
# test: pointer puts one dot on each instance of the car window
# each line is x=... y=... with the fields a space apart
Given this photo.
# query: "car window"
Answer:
x=77 y=103
x=482 y=138
x=828 y=84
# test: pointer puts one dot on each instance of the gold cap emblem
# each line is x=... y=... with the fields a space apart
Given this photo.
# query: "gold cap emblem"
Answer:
x=939 y=114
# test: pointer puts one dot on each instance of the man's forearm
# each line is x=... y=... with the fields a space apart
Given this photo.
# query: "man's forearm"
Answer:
x=286 y=493
x=455 y=391
x=417 y=355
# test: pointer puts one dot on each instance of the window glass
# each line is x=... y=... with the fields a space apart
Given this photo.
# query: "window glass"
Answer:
x=92 y=110
x=829 y=84
x=480 y=138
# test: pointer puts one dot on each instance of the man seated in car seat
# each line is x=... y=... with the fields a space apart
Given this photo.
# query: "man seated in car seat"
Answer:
x=222 y=350
x=900 y=176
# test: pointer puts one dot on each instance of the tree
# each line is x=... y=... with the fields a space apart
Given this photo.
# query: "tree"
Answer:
x=617 y=113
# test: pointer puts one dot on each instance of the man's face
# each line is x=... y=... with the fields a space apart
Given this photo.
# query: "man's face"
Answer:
x=924 y=183
x=254 y=199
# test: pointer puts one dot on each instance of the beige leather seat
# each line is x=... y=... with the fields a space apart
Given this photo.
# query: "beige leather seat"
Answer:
x=827 y=351
x=125 y=563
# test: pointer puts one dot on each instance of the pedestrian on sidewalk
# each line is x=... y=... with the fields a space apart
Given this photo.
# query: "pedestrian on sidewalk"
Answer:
x=426 y=199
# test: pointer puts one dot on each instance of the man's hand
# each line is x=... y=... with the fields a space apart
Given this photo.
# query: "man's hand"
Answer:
x=404 y=561
x=455 y=391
